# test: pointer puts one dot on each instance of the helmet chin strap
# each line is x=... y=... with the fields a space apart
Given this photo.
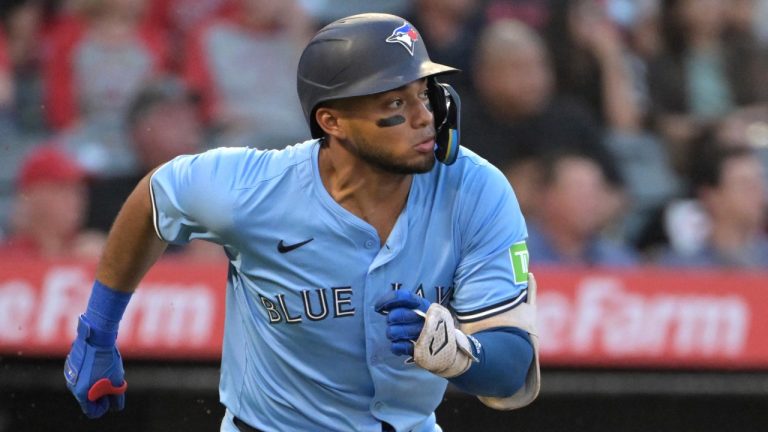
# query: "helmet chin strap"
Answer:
x=446 y=107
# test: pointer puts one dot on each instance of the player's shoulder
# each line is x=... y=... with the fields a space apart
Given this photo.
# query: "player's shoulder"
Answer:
x=471 y=159
x=471 y=169
x=247 y=166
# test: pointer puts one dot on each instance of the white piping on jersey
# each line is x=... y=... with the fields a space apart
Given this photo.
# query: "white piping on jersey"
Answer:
x=490 y=312
x=154 y=207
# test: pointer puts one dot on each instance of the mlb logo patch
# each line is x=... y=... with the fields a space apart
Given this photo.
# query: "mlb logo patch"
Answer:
x=404 y=35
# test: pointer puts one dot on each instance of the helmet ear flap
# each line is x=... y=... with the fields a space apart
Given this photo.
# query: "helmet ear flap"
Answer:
x=446 y=108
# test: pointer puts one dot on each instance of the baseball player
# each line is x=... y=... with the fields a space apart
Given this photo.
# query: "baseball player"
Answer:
x=369 y=266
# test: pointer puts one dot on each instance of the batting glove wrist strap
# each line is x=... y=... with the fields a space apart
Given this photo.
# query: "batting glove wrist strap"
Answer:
x=442 y=348
x=106 y=307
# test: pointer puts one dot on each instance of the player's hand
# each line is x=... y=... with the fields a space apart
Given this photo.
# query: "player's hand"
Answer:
x=94 y=371
x=426 y=331
x=405 y=313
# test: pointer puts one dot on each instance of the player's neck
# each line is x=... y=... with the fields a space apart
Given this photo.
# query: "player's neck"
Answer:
x=373 y=195
x=347 y=177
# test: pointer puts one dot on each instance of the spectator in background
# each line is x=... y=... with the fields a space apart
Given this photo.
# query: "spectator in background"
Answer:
x=729 y=184
x=264 y=38
x=534 y=13
x=516 y=118
x=98 y=59
x=575 y=205
x=601 y=50
x=49 y=210
x=325 y=11
x=162 y=123
x=449 y=28
x=591 y=64
x=740 y=20
x=6 y=89
x=6 y=77
x=23 y=23
x=760 y=22
x=9 y=151
x=178 y=18
x=705 y=73
x=639 y=23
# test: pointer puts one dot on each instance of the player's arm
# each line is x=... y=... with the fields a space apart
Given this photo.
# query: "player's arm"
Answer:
x=94 y=369
x=491 y=353
x=508 y=339
x=494 y=358
x=494 y=296
x=133 y=245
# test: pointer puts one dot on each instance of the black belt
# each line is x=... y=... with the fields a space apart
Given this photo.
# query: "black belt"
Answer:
x=244 y=427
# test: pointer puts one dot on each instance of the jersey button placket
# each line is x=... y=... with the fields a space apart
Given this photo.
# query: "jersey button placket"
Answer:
x=369 y=244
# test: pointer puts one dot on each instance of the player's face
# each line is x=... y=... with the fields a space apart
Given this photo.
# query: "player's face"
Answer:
x=393 y=131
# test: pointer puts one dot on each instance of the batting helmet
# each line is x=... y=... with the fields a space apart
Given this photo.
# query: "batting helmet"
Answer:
x=372 y=53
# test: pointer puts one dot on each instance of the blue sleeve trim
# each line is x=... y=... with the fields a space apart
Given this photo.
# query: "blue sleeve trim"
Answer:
x=504 y=358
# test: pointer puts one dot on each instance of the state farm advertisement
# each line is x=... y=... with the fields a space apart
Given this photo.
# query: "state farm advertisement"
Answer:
x=653 y=318
x=177 y=312
x=645 y=318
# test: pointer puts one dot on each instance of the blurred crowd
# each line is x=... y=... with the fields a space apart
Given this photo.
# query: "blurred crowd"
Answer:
x=633 y=131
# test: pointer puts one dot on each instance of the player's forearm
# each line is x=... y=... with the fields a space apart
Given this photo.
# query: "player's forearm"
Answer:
x=132 y=246
x=504 y=359
x=94 y=368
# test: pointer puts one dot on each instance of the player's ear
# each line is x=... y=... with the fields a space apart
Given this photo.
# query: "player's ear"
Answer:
x=328 y=120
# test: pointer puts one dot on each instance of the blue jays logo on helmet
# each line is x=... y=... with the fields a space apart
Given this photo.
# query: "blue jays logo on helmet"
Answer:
x=405 y=35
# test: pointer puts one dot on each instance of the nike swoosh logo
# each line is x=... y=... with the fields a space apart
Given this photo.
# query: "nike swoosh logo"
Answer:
x=283 y=248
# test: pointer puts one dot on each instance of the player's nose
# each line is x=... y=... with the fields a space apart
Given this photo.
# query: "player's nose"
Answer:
x=422 y=115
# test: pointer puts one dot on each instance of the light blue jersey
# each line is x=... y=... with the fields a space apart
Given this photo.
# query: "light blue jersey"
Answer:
x=303 y=347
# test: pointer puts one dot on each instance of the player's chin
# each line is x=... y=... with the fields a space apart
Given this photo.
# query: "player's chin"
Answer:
x=423 y=164
x=412 y=165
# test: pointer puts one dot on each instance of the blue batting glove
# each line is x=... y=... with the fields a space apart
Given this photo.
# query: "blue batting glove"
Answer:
x=94 y=370
x=405 y=319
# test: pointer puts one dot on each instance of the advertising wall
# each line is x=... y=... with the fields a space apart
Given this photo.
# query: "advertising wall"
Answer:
x=644 y=318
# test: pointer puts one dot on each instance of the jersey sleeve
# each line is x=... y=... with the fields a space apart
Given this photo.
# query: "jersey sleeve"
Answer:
x=193 y=196
x=492 y=275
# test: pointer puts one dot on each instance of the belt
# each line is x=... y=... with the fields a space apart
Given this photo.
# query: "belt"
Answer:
x=244 y=427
